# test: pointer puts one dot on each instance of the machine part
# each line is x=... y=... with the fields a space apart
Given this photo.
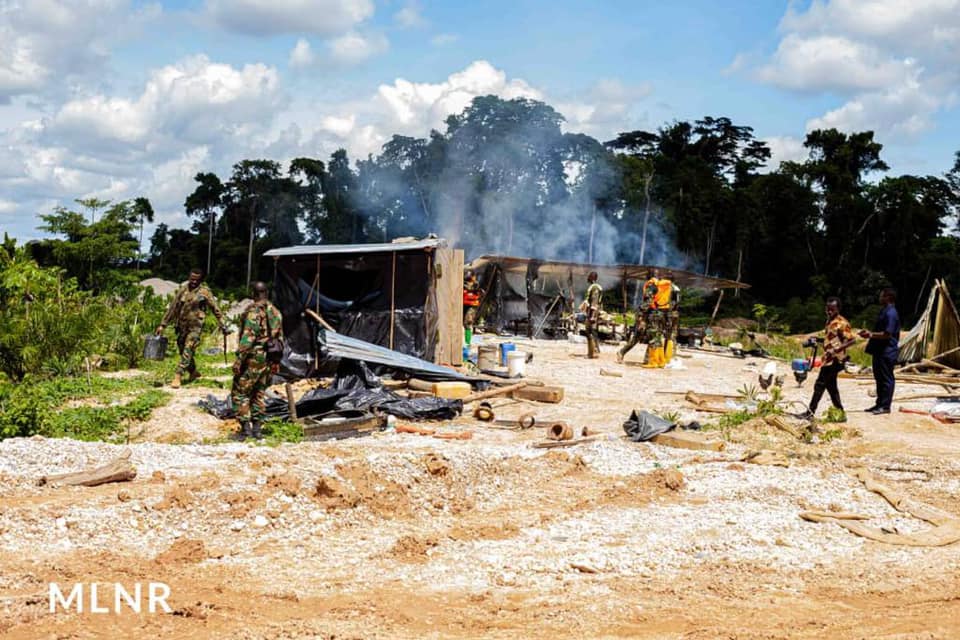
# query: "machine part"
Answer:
x=559 y=431
x=484 y=412
x=803 y=367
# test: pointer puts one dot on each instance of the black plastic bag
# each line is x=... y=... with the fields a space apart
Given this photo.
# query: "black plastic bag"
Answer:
x=643 y=426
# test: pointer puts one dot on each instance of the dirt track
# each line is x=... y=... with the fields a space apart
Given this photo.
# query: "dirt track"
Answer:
x=406 y=536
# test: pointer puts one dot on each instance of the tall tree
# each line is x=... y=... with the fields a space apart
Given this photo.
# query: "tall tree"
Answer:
x=144 y=212
x=205 y=200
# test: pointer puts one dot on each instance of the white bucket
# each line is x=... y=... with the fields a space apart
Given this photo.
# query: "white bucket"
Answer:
x=488 y=356
x=516 y=363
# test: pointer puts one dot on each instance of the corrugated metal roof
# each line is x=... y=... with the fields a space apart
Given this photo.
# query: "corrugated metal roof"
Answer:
x=608 y=271
x=327 y=249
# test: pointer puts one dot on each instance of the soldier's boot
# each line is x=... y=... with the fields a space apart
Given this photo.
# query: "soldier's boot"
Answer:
x=245 y=431
x=257 y=433
x=619 y=356
x=194 y=375
x=653 y=362
x=175 y=384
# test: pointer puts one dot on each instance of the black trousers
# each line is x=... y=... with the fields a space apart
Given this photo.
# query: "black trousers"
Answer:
x=827 y=381
x=883 y=376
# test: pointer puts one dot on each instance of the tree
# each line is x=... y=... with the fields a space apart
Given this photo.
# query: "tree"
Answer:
x=837 y=168
x=144 y=212
x=248 y=199
x=342 y=222
x=205 y=199
x=91 y=252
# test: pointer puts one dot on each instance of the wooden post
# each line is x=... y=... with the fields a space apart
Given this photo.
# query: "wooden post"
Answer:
x=393 y=297
x=716 y=307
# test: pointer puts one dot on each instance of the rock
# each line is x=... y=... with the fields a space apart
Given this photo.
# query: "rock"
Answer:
x=123 y=495
x=237 y=525
x=261 y=521
x=316 y=515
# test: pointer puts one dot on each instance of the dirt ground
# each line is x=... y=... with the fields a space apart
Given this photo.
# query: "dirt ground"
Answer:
x=406 y=536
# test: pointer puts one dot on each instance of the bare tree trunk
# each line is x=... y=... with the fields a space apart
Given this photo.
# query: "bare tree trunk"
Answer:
x=210 y=242
x=140 y=245
x=593 y=226
x=646 y=216
x=253 y=228
x=710 y=238
x=736 y=292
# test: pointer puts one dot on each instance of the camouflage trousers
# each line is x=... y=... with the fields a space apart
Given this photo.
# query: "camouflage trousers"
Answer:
x=247 y=394
x=188 y=340
x=655 y=328
x=639 y=335
x=673 y=325
x=469 y=317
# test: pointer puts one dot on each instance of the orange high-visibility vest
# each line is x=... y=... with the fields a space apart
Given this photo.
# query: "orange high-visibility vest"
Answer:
x=664 y=291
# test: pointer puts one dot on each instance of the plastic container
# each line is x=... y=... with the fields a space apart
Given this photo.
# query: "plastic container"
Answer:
x=516 y=363
x=155 y=348
x=505 y=348
x=487 y=356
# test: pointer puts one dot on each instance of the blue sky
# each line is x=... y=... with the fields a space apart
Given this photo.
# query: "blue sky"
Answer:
x=121 y=98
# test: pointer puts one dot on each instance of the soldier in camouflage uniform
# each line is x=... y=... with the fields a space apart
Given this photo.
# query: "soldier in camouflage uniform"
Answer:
x=593 y=304
x=188 y=309
x=251 y=372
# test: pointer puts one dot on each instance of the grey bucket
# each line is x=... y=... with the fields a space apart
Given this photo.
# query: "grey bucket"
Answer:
x=155 y=348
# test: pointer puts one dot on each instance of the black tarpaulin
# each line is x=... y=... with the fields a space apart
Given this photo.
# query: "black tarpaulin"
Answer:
x=356 y=289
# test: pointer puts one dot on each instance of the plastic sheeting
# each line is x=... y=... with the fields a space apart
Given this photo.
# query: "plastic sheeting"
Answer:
x=356 y=388
x=358 y=295
x=643 y=426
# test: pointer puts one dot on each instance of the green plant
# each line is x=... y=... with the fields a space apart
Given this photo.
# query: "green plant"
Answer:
x=831 y=434
x=834 y=415
x=669 y=416
x=277 y=431
x=748 y=393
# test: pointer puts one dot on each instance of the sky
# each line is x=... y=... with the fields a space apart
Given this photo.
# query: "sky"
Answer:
x=117 y=99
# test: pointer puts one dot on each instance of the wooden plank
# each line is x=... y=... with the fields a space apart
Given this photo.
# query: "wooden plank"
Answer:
x=331 y=428
x=545 y=393
x=491 y=393
x=688 y=440
x=118 y=470
x=449 y=294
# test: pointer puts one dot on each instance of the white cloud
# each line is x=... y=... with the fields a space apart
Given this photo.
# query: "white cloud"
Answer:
x=444 y=39
x=904 y=110
x=785 y=149
x=409 y=16
x=354 y=48
x=196 y=101
x=45 y=44
x=895 y=63
x=302 y=55
x=833 y=63
x=604 y=108
x=271 y=17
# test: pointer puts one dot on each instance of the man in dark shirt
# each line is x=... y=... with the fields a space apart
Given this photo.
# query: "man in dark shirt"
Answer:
x=884 y=347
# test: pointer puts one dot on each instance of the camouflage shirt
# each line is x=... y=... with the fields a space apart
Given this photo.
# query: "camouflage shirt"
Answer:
x=260 y=322
x=594 y=296
x=838 y=334
x=189 y=307
x=649 y=294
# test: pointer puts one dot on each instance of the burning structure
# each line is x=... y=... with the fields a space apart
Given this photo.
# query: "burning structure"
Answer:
x=538 y=296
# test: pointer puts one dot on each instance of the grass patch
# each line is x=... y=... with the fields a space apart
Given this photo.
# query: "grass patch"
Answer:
x=277 y=431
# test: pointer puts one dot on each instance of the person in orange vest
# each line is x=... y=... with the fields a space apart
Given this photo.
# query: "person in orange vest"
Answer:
x=660 y=290
x=471 y=303
x=671 y=313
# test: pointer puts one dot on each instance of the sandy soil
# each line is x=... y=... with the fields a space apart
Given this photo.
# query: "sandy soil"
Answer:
x=405 y=536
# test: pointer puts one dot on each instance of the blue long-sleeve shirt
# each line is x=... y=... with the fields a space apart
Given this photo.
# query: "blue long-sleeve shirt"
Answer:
x=887 y=322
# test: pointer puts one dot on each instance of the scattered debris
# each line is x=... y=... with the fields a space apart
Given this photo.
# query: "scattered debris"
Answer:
x=119 y=470
x=946 y=528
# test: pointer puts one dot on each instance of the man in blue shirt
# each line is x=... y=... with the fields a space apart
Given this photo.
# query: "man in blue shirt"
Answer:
x=884 y=346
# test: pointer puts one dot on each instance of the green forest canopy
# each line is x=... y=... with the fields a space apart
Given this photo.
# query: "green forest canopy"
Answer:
x=502 y=177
